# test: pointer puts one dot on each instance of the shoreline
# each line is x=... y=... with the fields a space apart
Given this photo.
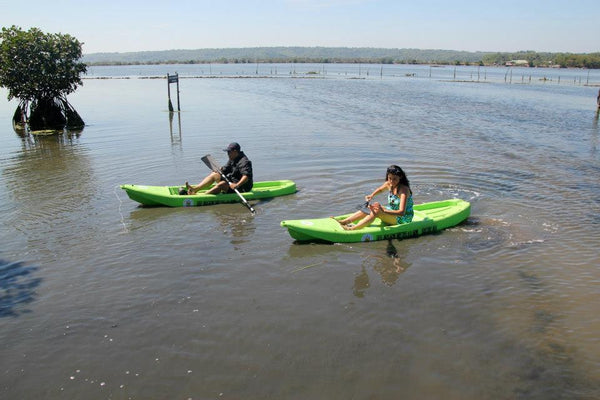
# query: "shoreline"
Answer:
x=349 y=62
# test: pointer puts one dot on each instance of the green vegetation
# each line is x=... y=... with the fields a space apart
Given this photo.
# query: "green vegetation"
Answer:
x=41 y=69
x=320 y=55
x=325 y=55
x=534 y=59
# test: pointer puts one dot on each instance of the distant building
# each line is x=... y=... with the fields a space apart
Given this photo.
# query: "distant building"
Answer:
x=517 y=63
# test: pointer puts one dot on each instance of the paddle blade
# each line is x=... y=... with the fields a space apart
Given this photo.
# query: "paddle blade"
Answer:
x=211 y=163
x=364 y=207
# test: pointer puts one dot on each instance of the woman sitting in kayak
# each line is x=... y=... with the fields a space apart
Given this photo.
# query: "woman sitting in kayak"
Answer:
x=400 y=203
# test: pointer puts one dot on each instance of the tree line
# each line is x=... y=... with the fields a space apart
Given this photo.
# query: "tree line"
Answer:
x=327 y=55
x=284 y=55
x=535 y=59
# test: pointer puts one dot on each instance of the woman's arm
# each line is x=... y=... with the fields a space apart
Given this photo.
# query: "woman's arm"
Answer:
x=376 y=191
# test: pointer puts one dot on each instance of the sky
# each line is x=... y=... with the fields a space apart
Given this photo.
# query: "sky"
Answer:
x=468 y=25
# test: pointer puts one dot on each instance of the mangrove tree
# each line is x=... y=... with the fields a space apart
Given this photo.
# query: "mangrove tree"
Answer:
x=40 y=70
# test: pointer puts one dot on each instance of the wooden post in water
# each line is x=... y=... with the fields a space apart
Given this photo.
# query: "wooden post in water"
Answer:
x=178 y=106
x=169 y=92
x=587 y=82
x=173 y=79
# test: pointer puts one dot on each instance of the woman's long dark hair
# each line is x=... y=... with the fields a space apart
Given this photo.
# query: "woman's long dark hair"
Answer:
x=396 y=170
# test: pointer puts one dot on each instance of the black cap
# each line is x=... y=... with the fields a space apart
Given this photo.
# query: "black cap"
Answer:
x=232 y=146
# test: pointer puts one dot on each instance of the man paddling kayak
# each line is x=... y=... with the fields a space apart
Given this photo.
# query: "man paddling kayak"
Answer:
x=238 y=170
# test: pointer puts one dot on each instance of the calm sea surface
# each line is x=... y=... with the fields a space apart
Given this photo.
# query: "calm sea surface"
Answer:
x=102 y=299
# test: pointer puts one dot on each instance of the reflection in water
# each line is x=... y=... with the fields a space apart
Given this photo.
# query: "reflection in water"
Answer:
x=389 y=267
x=64 y=135
x=594 y=144
x=233 y=220
x=310 y=249
x=239 y=224
x=54 y=164
x=361 y=283
x=51 y=184
x=17 y=287
x=175 y=137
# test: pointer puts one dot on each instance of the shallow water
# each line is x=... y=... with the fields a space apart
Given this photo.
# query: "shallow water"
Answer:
x=100 y=298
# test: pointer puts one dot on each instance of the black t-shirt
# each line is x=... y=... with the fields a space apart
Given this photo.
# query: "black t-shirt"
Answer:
x=234 y=170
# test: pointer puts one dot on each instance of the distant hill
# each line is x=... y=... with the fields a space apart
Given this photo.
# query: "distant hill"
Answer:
x=287 y=54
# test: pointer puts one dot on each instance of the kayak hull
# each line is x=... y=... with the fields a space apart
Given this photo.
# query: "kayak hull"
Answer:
x=429 y=218
x=168 y=196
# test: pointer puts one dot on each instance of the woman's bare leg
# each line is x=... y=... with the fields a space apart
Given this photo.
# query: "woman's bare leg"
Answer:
x=353 y=217
x=367 y=220
x=389 y=219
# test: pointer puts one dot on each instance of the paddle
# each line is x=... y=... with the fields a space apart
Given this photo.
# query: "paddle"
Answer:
x=212 y=164
x=364 y=207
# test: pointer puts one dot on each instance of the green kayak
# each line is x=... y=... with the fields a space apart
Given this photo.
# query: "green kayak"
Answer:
x=428 y=218
x=169 y=195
